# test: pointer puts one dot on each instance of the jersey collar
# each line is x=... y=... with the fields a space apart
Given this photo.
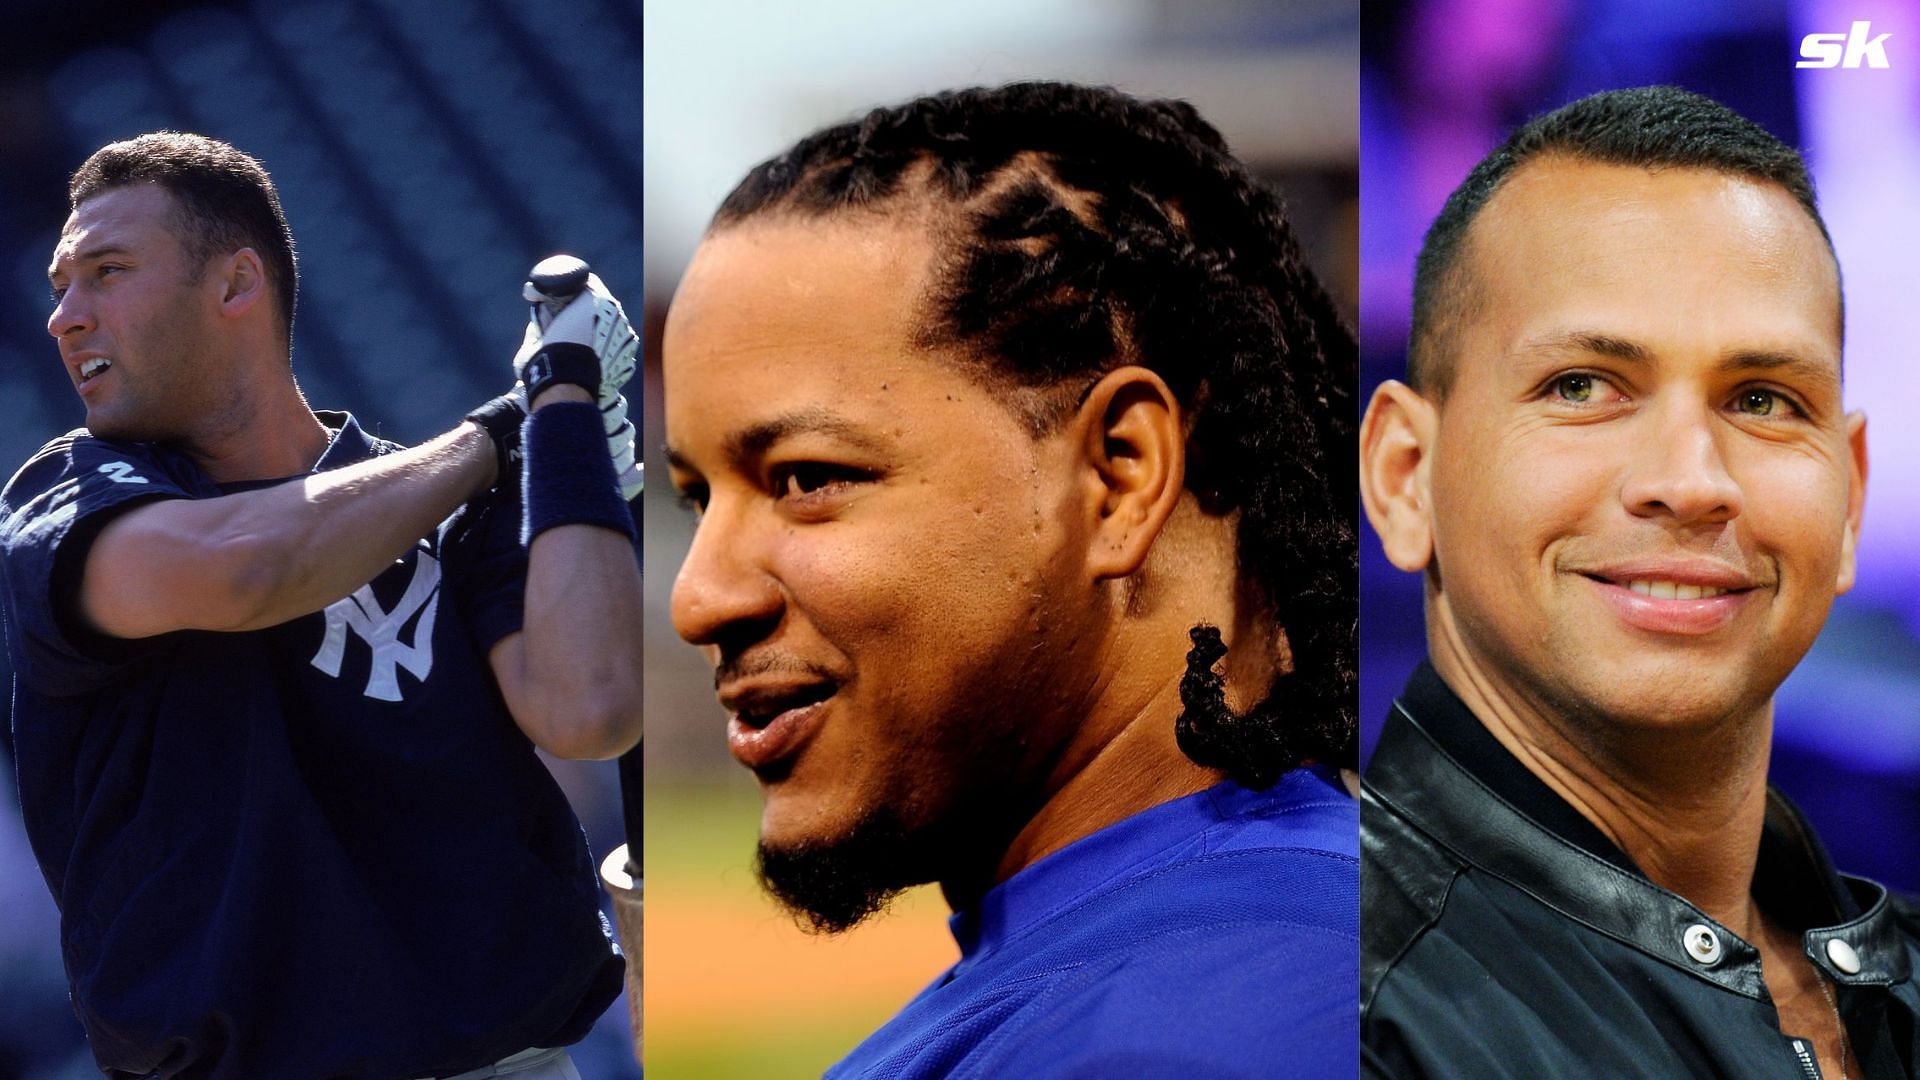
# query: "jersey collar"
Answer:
x=349 y=443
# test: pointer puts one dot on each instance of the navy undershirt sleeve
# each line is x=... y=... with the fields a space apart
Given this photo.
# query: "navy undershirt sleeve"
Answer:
x=50 y=514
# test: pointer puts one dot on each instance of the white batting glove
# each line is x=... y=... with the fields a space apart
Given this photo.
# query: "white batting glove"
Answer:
x=620 y=442
x=593 y=318
x=562 y=329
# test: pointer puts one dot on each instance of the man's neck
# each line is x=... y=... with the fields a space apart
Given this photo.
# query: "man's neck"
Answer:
x=1687 y=806
x=264 y=435
x=1098 y=783
x=1120 y=754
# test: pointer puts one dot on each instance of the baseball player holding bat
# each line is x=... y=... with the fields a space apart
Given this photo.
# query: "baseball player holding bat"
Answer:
x=279 y=683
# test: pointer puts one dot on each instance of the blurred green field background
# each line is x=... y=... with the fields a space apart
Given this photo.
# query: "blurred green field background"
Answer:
x=734 y=989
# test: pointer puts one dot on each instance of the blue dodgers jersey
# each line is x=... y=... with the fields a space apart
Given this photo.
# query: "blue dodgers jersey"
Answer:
x=1212 y=936
x=321 y=849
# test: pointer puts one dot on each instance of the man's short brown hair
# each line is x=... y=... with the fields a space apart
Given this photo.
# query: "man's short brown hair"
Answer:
x=224 y=201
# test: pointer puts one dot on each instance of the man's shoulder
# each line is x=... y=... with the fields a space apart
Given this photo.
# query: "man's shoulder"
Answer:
x=52 y=455
x=1440 y=932
x=1210 y=971
x=1217 y=998
x=1217 y=965
x=1277 y=871
x=1254 y=919
x=1234 y=890
x=1472 y=908
x=1405 y=880
x=1468 y=969
x=78 y=452
x=1223 y=939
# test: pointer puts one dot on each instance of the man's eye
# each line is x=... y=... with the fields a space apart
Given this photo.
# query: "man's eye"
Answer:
x=808 y=477
x=1757 y=401
x=1576 y=387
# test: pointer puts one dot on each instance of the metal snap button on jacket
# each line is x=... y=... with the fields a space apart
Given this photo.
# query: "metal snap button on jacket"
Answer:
x=1843 y=956
x=1703 y=945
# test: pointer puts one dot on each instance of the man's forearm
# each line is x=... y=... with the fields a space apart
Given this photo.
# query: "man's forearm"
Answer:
x=340 y=528
x=258 y=558
x=572 y=676
x=582 y=639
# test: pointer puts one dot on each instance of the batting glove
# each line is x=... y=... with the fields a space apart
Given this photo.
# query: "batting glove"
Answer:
x=620 y=442
x=556 y=344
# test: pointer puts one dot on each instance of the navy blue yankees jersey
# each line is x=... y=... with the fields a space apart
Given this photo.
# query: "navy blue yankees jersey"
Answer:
x=321 y=849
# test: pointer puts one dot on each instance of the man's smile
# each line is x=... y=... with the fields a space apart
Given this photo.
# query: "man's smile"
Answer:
x=1683 y=596
x=772 y=719
x=86 y=366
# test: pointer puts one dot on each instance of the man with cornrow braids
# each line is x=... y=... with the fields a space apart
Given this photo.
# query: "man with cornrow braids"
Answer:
x=1020 y=433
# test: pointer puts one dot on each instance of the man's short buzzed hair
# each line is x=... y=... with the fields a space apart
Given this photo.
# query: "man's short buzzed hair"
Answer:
x=224 y=197
x=1649 y=127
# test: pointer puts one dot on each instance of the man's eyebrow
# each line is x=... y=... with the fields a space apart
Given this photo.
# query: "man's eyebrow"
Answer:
x=87 y=255
x=1789 y=364
x=1590 y=342
x=753 y=440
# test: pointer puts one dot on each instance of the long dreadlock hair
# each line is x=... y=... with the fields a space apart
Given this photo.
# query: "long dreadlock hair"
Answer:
x=1090 y=230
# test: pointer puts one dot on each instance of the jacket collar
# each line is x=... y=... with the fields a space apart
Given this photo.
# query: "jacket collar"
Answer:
x=1458 y=785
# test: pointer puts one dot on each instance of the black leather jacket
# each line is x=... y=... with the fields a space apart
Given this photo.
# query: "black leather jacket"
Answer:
x=1503 y=935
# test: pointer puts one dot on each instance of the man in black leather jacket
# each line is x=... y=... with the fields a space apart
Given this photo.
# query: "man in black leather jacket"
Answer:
x=1622 y=463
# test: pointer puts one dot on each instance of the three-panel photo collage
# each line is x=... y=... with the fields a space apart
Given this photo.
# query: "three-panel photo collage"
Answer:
x=1054 y=539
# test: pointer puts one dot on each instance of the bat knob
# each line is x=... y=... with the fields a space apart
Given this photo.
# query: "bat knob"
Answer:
x=556 y=278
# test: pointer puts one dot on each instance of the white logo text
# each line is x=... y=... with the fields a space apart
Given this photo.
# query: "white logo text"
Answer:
x=1844 y=50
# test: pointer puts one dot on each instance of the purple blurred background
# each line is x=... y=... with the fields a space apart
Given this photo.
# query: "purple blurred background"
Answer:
x=1444 y=81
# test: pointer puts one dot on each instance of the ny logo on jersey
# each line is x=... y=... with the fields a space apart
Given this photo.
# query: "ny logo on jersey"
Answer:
x=381 y=629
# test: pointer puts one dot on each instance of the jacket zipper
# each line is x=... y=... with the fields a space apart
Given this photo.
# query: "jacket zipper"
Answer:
x=1803 y=1052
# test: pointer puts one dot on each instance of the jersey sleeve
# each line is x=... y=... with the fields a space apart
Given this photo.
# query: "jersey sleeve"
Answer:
x=50 y=513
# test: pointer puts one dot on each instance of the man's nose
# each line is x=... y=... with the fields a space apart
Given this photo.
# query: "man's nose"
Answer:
x=1678 y=468
x=725 y=594
x=70 y=313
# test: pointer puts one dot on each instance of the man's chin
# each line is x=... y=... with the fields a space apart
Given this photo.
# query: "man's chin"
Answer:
x=114 y=424
x=833 y=884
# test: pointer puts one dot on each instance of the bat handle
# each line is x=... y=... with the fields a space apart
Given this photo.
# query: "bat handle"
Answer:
x=554 y=281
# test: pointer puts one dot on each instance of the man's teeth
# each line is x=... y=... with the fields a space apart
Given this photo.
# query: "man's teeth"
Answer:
x=91 y=367
x=1671 y=590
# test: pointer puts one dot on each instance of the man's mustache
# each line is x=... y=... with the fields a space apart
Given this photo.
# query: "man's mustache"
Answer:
x=749 y=665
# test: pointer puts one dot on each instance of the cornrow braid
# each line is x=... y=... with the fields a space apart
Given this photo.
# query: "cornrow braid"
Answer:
x=1092 y=230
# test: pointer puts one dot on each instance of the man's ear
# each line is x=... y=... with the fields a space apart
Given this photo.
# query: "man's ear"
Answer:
x=1396 y=447
x=243 y=282
x=1133 y=448
x=1856 y=497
